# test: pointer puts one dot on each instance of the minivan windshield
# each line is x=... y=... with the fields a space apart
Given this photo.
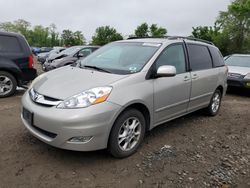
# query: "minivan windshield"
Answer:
x=240 y=61
x=121 y=57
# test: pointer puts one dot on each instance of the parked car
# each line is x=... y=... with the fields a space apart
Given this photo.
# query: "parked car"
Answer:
x=239 y=70
x=35 y=50
x=43 y=56
x=76 y=54
x=116 y=94
x=62 y=54
x=45 y=49
x=16 y=63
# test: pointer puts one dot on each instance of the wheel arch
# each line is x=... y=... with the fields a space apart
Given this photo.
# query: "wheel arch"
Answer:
x=140 y=106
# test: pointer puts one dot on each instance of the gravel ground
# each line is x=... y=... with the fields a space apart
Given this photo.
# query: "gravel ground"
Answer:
x=192 y=151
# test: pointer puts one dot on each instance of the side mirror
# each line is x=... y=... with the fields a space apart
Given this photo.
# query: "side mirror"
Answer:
x=166 y=71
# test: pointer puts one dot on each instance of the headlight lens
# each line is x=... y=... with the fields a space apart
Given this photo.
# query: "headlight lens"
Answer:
x=86 y=98
x=247 y=76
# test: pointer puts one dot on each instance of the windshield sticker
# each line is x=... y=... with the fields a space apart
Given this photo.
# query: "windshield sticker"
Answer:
x=151 y=44
x=133 y=69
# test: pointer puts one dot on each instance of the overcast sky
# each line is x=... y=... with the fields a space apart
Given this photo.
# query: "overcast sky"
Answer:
x=178 y=16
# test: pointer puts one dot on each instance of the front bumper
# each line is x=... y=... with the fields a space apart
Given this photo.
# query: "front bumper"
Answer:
x=238 y=82
x=56 y=126
x=47 y=67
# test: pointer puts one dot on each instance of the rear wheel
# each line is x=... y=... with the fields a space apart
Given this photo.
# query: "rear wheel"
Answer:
x=215 y=103
x=127 y=133
x=8 y=84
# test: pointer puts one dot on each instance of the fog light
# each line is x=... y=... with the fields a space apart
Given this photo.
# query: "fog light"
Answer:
x=80 y=139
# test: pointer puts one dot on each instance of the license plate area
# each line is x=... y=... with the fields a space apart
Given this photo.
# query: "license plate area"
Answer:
x=28 y=116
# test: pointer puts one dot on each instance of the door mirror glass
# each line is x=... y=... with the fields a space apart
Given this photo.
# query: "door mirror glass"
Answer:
x=166 y=71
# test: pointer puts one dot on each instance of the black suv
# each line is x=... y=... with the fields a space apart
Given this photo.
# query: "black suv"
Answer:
x=16 y=63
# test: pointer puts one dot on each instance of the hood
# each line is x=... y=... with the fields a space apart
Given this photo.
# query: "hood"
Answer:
x=239 y=70
x=68 y=81
x=63 y=61
x=56 y=56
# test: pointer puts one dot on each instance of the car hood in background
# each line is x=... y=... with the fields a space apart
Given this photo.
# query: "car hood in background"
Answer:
x=239 y=70
x=56 y=56
x=64 y=60
x=68 y=81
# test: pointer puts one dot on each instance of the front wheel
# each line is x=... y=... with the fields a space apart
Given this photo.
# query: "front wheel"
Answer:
x=214 y=104
x=127 y=133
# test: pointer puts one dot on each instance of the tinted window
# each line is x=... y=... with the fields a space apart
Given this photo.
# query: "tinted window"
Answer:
x=173 y=55
x=217 y=57
x=9 y=44
x=199 y=57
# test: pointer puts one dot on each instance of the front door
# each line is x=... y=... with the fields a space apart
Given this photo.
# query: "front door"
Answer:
x=171 y=94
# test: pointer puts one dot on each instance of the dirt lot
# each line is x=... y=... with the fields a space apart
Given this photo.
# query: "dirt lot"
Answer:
x=193 y=151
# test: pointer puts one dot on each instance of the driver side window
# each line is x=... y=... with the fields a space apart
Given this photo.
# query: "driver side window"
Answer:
x=173 y=55
x=85 y=52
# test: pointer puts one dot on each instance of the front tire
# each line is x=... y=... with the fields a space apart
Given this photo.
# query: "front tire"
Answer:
x=215 y=103
x=127 y=133
x=8 y=84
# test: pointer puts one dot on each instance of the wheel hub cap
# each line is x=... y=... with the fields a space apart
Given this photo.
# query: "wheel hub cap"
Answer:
x=6 y=85
x=216 y=102
x=129 y=134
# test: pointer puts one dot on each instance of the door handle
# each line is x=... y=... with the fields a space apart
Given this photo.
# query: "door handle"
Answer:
x=186 y=78
x=194 y=76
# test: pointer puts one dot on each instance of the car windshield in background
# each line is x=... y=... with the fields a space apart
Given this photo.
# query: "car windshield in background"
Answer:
x=240 y=61
x=70 y=50
x=121 y=57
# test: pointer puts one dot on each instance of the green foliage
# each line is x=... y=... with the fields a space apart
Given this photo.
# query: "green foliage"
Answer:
x=231 y=32
x=105 y=34
x=43 y=36
x=235 y=22
x=144 y=30
x=70 y=38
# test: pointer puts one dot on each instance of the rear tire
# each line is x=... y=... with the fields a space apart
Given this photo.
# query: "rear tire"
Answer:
x=215 y=103
x=8 y=84
x=127 y=133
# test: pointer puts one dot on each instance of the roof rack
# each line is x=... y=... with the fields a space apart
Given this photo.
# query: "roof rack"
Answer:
x=174 y=38
x=135 y=37
x=189 y=38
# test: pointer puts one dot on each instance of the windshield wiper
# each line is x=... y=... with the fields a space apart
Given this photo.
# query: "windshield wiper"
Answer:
x=96 y=68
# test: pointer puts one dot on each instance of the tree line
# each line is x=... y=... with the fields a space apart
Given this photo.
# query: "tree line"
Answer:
x=231 y=31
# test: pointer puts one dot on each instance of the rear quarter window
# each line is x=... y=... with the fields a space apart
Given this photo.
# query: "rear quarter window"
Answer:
x=9 y=44
x=199 y=57
x=218 y=60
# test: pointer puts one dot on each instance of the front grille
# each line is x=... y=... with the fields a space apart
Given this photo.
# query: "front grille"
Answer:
x=42 y=99
x=47 y=133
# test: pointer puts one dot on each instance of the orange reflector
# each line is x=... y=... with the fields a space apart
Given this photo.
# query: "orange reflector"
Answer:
x=101 y=99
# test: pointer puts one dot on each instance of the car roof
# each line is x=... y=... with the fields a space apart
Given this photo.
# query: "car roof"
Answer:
x=10 y=34
x=241 y=55
x=170 y=40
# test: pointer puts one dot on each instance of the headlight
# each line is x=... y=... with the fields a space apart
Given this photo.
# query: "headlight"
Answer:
x=86 y=98
x=247 y=76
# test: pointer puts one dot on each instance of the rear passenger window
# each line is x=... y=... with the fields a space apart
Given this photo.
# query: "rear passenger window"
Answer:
x=173 y=55
x=199 y=57
x=9 y=44
x=218 y=60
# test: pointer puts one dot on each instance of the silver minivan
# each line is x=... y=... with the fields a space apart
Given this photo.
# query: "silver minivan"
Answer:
x=112 y=97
